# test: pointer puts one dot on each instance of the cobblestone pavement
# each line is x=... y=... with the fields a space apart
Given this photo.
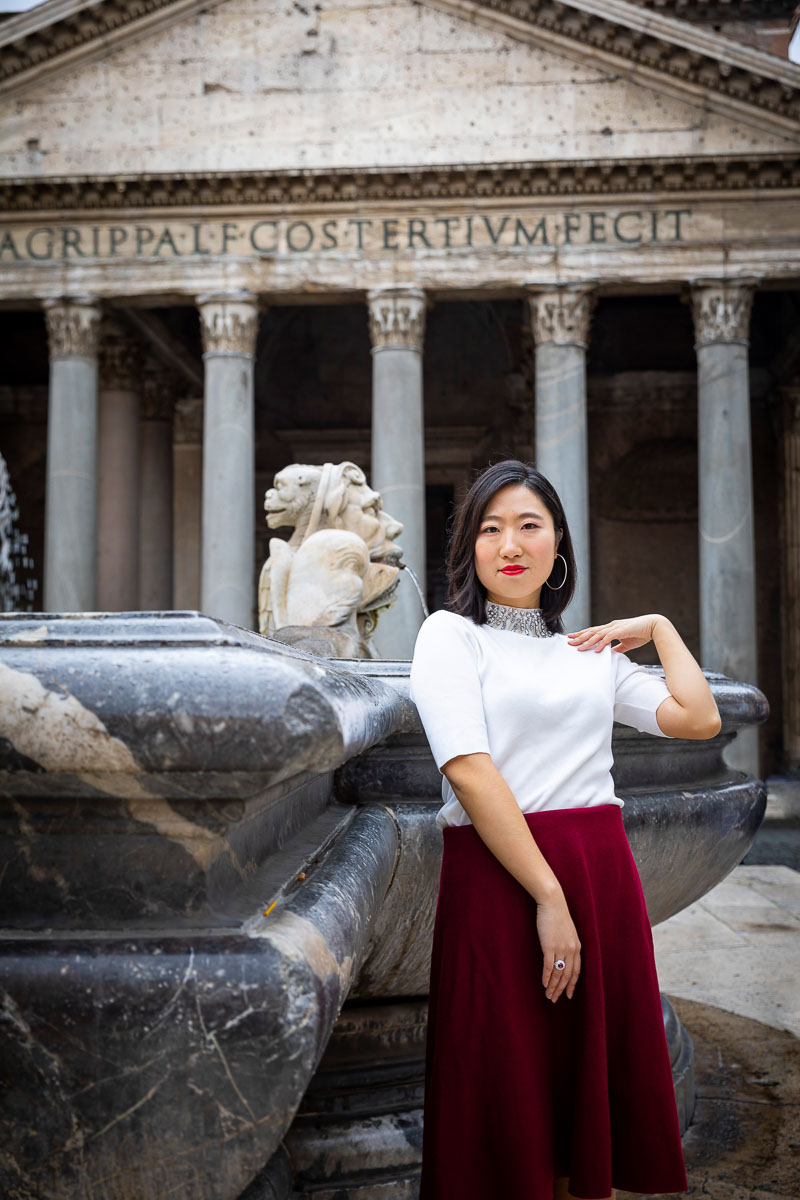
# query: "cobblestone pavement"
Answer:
x=744 y=1139
x=731 y=966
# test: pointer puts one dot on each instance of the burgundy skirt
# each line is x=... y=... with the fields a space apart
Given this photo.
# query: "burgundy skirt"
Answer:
x=518 y=1090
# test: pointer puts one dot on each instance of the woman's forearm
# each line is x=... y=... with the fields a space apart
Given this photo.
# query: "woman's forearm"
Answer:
x=683 y=675
x=491 y=806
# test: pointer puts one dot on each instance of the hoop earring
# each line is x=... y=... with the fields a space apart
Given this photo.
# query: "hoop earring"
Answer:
x=564 y=580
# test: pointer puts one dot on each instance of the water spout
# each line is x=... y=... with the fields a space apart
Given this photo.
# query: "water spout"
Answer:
x=410 y=570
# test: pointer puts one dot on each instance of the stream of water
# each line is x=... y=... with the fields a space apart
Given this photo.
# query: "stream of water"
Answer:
x=16 y=593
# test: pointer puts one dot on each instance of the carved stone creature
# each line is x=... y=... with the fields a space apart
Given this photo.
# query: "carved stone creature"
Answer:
x=323 y=588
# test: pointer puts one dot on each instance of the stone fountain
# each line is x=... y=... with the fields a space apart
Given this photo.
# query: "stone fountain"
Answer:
x=220 y=866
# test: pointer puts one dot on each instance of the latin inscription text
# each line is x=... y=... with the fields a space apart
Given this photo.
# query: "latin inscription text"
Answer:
x=368 y=236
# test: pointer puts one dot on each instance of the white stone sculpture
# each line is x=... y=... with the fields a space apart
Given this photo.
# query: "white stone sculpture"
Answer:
x=324 y=588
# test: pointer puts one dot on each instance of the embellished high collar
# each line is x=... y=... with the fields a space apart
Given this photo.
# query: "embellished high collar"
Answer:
x=518 y=620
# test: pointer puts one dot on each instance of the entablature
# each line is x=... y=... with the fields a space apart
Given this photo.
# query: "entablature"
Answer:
x=346 y=185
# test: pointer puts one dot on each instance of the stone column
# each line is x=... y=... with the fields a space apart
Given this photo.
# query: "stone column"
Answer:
x=70 y=538
x=229 y=324
x=187 y=507
x=397 y=331
x=155 y=491
x=118 y=471
x=790 y=576
x=721 y=312
x=560 y=319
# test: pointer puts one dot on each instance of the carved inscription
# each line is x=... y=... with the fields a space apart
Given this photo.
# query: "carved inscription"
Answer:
x=375 y=236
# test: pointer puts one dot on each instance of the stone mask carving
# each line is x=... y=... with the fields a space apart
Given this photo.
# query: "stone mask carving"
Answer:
x=324 y=587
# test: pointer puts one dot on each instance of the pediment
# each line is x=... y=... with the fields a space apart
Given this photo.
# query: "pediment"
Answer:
x=58 y=33
x=248 y=86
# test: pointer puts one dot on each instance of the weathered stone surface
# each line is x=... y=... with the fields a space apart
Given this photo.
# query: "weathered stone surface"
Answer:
x=397 y=332
x=560 y=319
x=209 y=752
x=535 y=144
x=123 y=1055
x=338 y=571
x=70 y=560
x=317 y=86
x=727 y=554
x=536 y=236
x=164 y=780
x=229 y=325
x=212 y=841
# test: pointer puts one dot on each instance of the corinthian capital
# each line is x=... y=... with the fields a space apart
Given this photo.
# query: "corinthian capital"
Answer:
x=229 y=322
x=561 y=315
x=721 y=310
x=72 y=327
x=397 y=317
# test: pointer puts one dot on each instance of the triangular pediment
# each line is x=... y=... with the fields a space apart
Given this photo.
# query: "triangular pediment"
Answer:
x=251 y=86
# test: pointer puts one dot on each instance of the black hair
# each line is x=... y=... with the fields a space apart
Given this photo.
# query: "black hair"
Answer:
x=466 y=594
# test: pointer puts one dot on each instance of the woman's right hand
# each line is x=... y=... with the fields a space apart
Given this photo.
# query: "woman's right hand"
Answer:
x=559 y=939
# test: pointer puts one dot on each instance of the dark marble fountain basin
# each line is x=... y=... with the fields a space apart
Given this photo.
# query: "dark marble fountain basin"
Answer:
x=218 y=878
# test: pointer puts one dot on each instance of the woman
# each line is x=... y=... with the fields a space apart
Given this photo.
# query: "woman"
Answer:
x=547 y=1072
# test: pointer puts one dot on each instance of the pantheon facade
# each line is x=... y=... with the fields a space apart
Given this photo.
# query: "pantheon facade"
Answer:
x=420 y=235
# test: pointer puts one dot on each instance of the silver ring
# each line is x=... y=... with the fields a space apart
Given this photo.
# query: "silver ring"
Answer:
x=559 y=964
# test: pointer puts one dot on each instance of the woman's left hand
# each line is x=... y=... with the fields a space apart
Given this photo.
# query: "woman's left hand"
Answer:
x=631 y=632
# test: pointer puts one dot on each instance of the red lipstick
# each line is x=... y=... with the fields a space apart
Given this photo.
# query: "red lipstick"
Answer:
x=511 y=570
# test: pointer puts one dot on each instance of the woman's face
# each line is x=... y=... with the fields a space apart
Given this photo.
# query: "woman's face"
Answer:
x=516 y=531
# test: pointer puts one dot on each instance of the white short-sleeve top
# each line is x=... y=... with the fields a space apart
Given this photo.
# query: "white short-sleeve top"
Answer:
x=541 y=708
